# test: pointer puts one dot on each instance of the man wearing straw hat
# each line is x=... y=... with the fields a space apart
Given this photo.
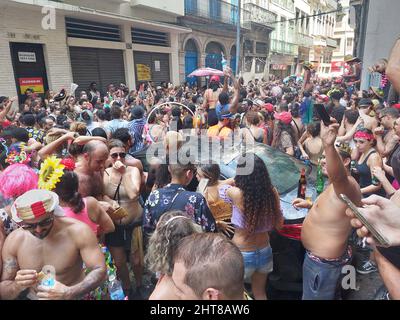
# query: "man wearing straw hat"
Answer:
x=49 y=246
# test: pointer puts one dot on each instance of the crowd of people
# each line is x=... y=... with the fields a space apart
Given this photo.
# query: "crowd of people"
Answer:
x=77 y=199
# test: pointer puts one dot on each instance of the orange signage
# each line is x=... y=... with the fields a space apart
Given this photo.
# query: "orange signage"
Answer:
x=33 y=83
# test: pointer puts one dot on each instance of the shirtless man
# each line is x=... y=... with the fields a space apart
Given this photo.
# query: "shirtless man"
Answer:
x=41 y=241
x=90 y=169
x=326 y=228
x=385 y=144
x=365 y=107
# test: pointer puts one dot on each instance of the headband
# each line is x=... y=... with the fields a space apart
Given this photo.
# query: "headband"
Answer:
x=364 y=135
x=174 y=218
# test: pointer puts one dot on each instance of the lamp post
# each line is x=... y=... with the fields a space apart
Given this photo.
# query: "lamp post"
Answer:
x=238 y=38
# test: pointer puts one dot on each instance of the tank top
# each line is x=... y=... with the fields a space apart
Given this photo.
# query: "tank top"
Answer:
x=365 y=175
x=82 y=216
x=238 y=217
x=218 y=207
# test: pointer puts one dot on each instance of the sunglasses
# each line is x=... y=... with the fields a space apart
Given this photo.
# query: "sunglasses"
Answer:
x=122 y=155
x=33 y=226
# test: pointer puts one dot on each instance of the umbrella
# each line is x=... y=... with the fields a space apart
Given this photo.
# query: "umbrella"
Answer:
x=203 y=72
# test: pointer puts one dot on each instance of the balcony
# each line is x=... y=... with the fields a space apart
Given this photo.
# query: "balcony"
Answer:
x=161 y=5
x=259 y=15
x=304 y=40
x=283 y=47
x=286 y=4
x=331 y=4
x=331 y=42
x=215 y=11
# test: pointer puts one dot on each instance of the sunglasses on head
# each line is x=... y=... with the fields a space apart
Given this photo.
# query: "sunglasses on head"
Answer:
x=122 y=155
x=33 y=226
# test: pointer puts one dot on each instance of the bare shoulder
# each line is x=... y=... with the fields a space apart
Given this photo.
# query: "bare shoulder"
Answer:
x=133 y=169
x=91 y=203
x=132 y=162
x=234 y=193
x=75 y=228
x=14 y=240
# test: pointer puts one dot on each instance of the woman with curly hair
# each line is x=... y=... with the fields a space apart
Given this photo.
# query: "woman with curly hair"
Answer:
x=172 y=227
x=255 y=211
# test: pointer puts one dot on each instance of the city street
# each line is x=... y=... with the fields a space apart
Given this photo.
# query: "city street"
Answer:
x=199 y=150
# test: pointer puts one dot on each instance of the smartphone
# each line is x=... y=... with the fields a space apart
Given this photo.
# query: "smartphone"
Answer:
x=323 y=114
x=382 y=240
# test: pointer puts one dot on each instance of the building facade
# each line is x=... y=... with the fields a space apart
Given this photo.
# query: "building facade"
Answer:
x=213 y=24
x=322 y=28
x=344 y=35
x=284 y=50
x=259 y=22
x=50 y=44
x=304 y=39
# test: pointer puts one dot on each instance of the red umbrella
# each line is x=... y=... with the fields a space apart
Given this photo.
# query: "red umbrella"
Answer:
x=203 y=72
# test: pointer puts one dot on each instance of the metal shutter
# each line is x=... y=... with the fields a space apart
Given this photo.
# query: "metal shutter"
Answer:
x=112 y=68
x=148 y=58
x=104 y=66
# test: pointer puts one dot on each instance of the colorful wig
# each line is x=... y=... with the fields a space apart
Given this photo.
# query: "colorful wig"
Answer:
x=16 y=180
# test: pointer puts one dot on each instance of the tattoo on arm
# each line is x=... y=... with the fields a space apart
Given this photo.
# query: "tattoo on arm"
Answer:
x=91 y=282
x=9 y=268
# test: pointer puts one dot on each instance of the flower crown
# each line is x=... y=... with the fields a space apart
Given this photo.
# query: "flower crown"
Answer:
x=17 y=157
x=51 y=171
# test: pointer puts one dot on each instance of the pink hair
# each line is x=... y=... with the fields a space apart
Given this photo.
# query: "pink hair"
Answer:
x=16 y=180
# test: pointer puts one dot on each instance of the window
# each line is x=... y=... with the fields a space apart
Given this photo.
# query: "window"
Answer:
x=248 y=61
x=260 y=64
x=349 y=43
x=261 y=47
x=248 y=46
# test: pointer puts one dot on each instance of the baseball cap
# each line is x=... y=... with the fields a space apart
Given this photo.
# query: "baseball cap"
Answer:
x=365 y=102
x=285 y=117
x=34 y=204
x=226 y=115
x=215 y=79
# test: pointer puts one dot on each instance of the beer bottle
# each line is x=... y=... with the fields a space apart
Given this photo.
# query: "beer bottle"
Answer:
x=320 y=183
x=301 y=189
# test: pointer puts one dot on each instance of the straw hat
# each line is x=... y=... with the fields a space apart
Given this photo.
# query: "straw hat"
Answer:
x=34 y=204
x=349 y=58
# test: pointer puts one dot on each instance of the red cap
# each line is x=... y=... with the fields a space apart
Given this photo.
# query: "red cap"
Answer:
x=215 y=79
x=396 y=106
x=6 y=123
x=285 y=117
x=323 y=97
x=269 y=107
